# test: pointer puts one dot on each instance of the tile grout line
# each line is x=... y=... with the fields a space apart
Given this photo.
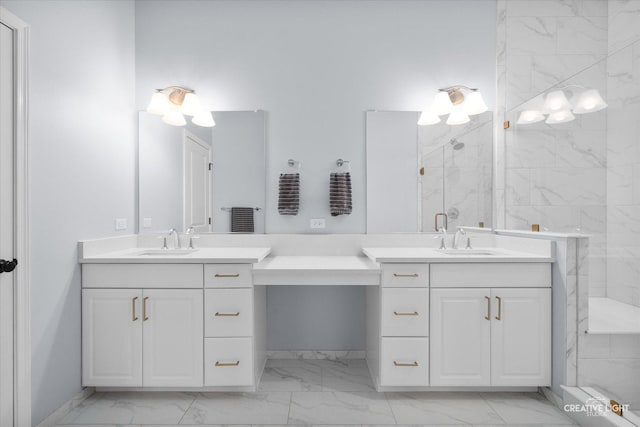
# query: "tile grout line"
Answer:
x=482 y=395
x=190 y=405
x=393 y=414
x=290 y=403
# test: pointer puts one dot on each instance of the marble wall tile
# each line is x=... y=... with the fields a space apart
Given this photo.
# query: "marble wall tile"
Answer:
x=581 y=148
x=544 y=8
x=531 y=149
x=619 y=185
x=580 y=35
x=619 y=376
x=548 y=71
x=568 y=187
x=594 y=346
x=594 y=8
x=624 y=20
x=518 y=187
x=530 y=35
x=625 y=346
x=519 y=73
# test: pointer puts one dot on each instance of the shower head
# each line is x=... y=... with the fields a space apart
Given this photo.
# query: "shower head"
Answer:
x=457 y=145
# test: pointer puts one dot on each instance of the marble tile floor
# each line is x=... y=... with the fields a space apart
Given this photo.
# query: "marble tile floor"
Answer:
x=315 y=392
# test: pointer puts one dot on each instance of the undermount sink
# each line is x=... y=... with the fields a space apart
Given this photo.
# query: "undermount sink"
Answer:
x=167 y=252
x=466 y=252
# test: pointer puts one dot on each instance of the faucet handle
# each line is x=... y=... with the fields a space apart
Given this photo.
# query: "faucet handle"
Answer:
x=468 y=243
x=164 y=242
x=191 y=239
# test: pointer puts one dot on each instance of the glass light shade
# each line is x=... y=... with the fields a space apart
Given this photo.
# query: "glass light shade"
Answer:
x=458 y=117
x=556 y=101
x=174 y=118
x=474 y=104
x=528 y=117
x=428 y=118
x=204 y=118
x=191 y=105
x=563 y=116
x=159 y=104
x=442 y=104
x=589 y=101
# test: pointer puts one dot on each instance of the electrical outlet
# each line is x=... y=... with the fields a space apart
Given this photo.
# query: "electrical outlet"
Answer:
x=317 y=223
x=121 y=224
x=146 y=223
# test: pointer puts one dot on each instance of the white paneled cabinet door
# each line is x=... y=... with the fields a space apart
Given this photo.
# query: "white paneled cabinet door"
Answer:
x=521 y=337
x=460 y=337
x=173 y=338
x=111 y=337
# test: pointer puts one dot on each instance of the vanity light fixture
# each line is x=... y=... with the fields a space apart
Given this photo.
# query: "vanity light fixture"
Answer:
x=458 y=101
x=559 y=109
x=174 y=102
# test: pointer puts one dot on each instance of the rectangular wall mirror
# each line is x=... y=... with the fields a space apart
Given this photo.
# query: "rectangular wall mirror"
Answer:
x=195 y=176
x=415 y=172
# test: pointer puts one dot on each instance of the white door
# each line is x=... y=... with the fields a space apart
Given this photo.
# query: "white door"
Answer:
x=112 y=337
x=460 y=337
x=173 y=338
x=7 y=225
x=197 y=204
x=521 y=337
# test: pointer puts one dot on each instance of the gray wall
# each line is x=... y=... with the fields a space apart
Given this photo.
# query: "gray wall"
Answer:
x=82 y=137
x=315 y=67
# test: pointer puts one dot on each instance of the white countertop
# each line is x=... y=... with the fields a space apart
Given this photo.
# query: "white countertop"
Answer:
x=199 y=256
x=317 y=263
x=433 y=255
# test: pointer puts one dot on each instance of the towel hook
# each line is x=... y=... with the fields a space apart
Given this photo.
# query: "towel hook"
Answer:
x=341 y=162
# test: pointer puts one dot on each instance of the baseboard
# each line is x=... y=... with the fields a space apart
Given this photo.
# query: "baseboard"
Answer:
x=316 y=355
x=63 y=410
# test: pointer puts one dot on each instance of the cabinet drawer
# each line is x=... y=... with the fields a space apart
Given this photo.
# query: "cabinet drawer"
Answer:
x=228 y=313
x=228 y=275
x=142 y=276
x=405 y=275
x=405 y=312
x=404 y=362
x=491 y=275
x=228 y=362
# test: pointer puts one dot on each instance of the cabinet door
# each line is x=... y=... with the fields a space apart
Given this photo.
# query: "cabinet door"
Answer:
x=111 y=337
x=173 y=338
x=460 y=337
x=521 y=337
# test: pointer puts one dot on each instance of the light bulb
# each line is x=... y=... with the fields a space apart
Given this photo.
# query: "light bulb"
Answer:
x=474 y=104
x=159 y=104
x=563 y=116
x=191 y=104
x=442 y=104
x=528 y=117
x=428 y=118
x=204 y=118
x=174 y=118
x=556 y=101
x=458 y=117
x=589 y=101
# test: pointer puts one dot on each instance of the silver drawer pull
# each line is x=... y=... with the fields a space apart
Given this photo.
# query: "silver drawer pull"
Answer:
x=236 y=363
x=228 y=275
x=236 y=314
x=415 y=313
x=411 y=365
x=405 y=275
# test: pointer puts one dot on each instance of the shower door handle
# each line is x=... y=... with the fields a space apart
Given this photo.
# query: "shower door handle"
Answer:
x=8 y=266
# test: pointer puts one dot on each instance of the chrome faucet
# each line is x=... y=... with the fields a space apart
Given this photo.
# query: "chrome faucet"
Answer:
x=443 y=240
x=175 y=237
x=460 y=232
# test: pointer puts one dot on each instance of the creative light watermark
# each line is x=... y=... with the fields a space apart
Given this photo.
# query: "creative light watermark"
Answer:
x=596 y=407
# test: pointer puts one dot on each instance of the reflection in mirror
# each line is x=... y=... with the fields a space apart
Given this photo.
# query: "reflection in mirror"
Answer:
x=422 y=171
x=193 y=176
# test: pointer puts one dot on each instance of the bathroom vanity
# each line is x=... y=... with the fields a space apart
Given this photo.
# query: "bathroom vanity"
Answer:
x=196 y=319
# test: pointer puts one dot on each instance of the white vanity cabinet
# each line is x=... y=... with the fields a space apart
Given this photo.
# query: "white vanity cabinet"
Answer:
x=491 y=336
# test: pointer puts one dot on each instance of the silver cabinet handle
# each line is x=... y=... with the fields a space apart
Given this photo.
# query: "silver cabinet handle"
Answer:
x=218 y=314
x=410 y=365
x=414 y=313
x=228 y=275
x=405 y=275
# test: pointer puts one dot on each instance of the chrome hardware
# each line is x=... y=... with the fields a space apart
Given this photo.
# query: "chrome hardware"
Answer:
x=173 y=234
x=460 y=232
x=218 y=314
x=228 y=275
x=412 y=365
x=468 y=243
x=144 y=309
x=499 y=316
x=415 y=313
x=446 y=221
x=236 y=363
x=191 y=239
x=405 y=275
x=133 y=309
x=488 y=316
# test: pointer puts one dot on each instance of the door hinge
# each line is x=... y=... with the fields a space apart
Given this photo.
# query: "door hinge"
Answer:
x=209 y=220
x=506 y=125
x=210 y=166
x=421 y=171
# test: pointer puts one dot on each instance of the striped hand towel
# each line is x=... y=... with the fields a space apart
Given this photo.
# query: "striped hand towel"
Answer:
x=242 y=220
x=289 y=194
x=340 y=202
